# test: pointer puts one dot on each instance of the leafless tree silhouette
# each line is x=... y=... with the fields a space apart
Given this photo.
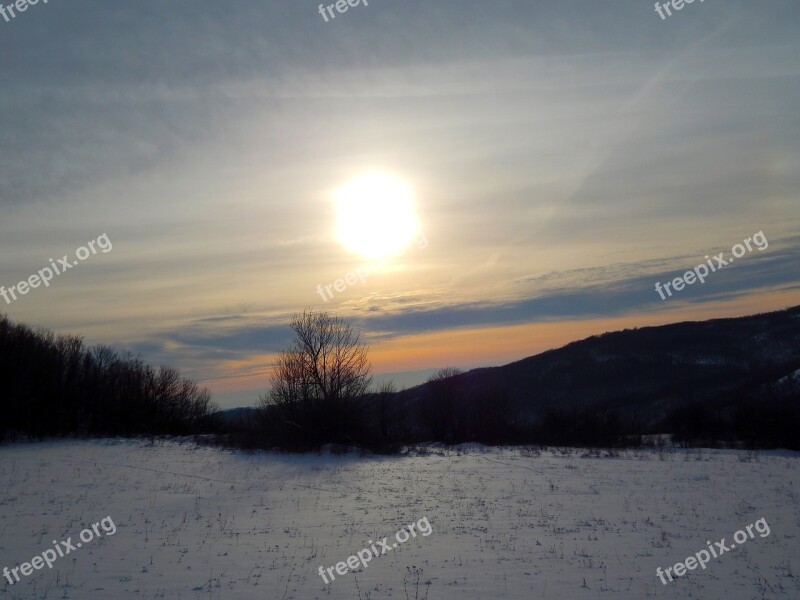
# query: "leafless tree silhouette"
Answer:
x=319 y=382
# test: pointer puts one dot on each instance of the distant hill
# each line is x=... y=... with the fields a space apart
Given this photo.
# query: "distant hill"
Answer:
x=710 y=370
x=236 y=419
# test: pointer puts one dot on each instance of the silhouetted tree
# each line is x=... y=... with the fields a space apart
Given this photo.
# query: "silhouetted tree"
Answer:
x=441 y=408
x=319 y=383
x=53 y=385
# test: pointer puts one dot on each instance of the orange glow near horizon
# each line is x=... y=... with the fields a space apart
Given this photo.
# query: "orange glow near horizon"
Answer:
x=491 y=346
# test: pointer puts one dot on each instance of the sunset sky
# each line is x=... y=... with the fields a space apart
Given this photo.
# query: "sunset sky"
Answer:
x=562 y=157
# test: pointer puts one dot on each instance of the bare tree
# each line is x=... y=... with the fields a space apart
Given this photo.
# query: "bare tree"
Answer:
x=54 y=385
x=442 y=406
x=383 y=404
x=319 y=382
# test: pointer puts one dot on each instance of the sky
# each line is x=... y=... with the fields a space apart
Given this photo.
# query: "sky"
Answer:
x=561 y=157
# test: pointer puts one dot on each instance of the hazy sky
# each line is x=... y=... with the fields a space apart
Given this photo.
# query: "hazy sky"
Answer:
x=564 y=156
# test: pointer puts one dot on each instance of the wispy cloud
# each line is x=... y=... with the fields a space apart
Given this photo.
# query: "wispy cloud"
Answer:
x=564 y=158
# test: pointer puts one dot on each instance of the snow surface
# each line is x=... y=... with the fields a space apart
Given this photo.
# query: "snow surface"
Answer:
x=199 y=523
x=795 y=376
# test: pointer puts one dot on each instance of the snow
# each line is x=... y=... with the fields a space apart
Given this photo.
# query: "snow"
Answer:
x=709 y=361
x=199 y=523
x=795 y=376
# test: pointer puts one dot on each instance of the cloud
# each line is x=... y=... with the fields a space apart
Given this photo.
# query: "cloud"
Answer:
x=578 y=294
x=565 y=156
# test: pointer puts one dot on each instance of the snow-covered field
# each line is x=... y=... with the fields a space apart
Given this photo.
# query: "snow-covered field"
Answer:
x=198 y=523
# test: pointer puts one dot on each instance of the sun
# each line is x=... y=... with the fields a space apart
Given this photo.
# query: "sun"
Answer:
x=375 y=215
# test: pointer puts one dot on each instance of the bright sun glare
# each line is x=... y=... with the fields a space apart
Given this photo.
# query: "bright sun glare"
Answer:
x=376 y=216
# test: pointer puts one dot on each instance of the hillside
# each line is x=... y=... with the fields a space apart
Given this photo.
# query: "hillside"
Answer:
x=651 y=376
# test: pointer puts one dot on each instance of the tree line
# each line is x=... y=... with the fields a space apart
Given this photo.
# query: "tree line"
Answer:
x=322 y=393
x=54 y=386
